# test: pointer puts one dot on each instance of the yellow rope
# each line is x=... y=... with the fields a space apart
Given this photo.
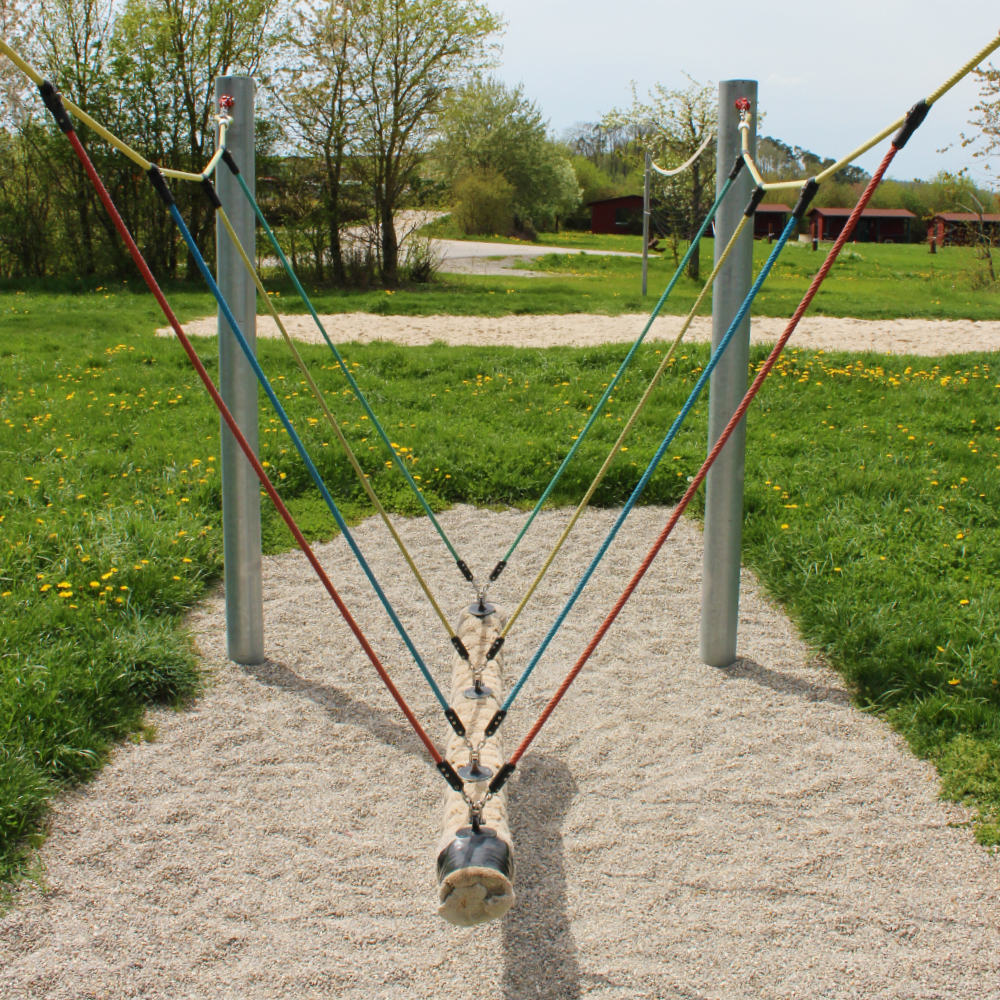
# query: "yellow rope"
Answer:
x=122 y=147
x=252 y=271
x=958 y=75
x=584 y=503
x=985 y=51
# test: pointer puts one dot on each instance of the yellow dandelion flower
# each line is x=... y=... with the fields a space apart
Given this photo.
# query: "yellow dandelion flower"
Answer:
x=954 y=681
x=963 y=601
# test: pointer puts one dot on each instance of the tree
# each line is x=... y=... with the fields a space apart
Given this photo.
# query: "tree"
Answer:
x=321 y=105
x=167 y=56
x=18 y=29
x=988 y=121
x=671 y=125
x=409 y=55
x=489 y=128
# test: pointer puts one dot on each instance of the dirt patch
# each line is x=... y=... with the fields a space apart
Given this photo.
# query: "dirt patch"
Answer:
x=895 y=336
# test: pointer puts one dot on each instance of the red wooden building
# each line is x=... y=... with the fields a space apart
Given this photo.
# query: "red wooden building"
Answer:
x=876 y=225
x=624 y=215
x=959 y=228
x=617 y=215
x=770 y=220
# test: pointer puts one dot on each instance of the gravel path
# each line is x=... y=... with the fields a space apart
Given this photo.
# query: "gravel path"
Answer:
x=927 y=337
x=682 y=832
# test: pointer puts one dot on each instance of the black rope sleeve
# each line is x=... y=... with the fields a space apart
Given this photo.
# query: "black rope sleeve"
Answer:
x=495 y=648
x=213 y=196
x=497 y=570
x=495 y=723
x=466 y=572
x=737 y=167
x=755 y=199
x=227 y=159
x=53 y=101
x=460 y=647
x=809 y=190
x=501 y=777
x=456 y=723
x=914 y=119
x=451 y=776
x=160 y=186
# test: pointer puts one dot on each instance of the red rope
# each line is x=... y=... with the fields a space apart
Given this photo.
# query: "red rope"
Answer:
x=713 y=455
x=245 y=445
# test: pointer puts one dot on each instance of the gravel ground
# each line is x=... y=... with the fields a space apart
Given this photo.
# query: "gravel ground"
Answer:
x=927 y=337
x=681 y=832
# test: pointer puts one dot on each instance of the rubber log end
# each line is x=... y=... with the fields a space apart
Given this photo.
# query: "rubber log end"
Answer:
x=474 y=873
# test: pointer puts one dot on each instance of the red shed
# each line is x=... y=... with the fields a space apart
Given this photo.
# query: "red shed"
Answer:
x=957 y=228
x=769 y=220
x=617 y=215
x=876 y=225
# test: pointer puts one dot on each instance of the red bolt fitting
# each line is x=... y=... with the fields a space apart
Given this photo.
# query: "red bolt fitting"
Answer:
x=226 y=103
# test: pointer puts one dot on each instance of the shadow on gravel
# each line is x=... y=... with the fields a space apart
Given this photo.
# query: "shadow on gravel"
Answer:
x=539 y=949
x=785 y=683
x=341 y=705
x=538 y=945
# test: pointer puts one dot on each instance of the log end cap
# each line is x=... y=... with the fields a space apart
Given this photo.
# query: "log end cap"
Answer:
x=474 y=875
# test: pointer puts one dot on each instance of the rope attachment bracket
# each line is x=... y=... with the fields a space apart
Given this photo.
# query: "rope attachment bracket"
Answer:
x=495 y=723
x=502 y=777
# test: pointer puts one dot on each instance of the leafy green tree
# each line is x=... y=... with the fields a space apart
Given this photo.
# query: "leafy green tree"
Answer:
x=487 y=127
x=409 y=54
x=671 y=125
x=167 y=56
x=319 y=97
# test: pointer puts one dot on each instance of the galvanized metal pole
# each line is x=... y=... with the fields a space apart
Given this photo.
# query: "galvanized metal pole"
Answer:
x=645 y=226
x=720 y=581
x=238 y=385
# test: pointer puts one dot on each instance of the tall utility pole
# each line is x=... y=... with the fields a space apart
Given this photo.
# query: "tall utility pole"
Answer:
x=720 y=581
x=238 y=385
x=645 y=224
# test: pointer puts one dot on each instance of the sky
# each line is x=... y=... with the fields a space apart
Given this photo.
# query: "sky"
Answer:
x=830 y=76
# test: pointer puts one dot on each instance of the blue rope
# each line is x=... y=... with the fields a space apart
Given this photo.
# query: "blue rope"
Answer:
x=301 y=448
x=347 y=371
x=621 y=371
x=648 y=474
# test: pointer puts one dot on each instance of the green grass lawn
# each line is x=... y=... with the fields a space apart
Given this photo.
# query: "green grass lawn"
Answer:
x=872 y=489
x=869 y=281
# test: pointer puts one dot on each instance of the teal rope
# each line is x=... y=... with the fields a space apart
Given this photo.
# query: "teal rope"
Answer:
x=621 y=371
x=301 y=449
x=347 y=372
x=651 y=468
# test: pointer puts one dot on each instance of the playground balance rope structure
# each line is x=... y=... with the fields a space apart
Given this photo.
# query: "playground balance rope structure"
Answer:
x=476 y=803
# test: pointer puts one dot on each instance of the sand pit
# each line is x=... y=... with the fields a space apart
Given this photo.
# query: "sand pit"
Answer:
x=895 y=336
x=745 y=834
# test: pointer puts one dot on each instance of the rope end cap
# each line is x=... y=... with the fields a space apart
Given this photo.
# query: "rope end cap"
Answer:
x=53 y=101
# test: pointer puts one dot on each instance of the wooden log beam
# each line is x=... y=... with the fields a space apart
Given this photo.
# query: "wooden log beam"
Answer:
x=476 y=871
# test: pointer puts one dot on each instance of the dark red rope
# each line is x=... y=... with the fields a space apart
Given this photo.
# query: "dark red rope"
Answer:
x=245 y=445
x=713 y=455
